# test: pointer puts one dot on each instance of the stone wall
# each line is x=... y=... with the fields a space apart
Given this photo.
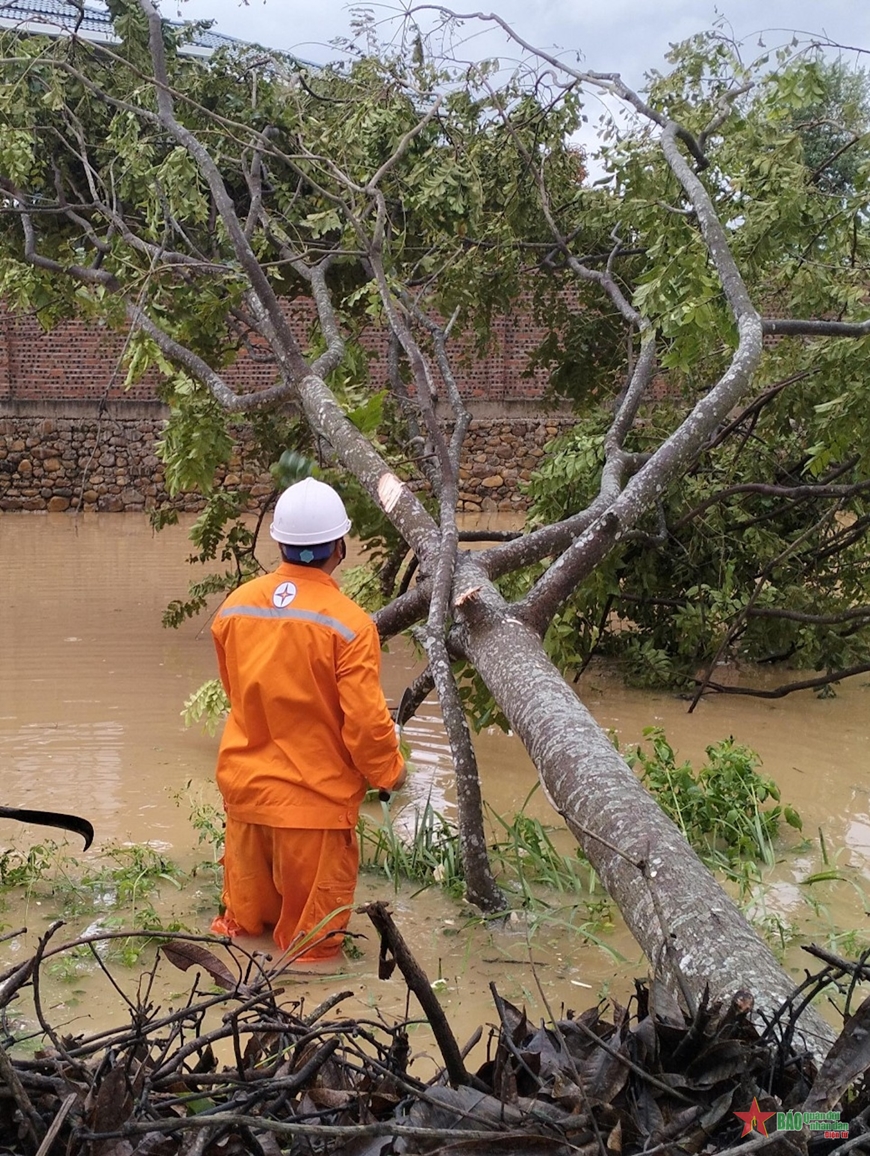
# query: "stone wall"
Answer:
x=504 y=445
x=80 y=456
x=71 y=455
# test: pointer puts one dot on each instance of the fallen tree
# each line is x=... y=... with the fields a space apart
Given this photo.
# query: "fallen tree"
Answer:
x=186 y=202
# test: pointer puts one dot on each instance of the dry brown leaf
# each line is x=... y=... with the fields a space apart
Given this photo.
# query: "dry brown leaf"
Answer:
x=113 y=1148
x=604 y=1075
x=719 y=1062
x=110 y=1109
x=848 y=1059
x=567 y=1094
x=613 y=1143
x=330 y=1098
x=268 y=1143
x=187 y=955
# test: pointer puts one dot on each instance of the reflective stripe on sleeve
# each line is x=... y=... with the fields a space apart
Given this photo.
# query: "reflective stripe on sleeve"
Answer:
x=289 y=612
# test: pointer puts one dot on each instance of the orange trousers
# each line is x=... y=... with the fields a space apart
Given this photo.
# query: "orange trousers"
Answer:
x=289 y=879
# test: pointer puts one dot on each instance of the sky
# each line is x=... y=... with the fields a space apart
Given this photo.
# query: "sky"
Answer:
x=625 y=36
x=630 y=37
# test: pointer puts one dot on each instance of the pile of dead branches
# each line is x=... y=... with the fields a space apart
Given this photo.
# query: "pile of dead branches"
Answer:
x=653 y=1077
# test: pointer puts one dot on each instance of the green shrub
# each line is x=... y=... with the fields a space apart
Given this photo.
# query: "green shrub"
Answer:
x=720 y=808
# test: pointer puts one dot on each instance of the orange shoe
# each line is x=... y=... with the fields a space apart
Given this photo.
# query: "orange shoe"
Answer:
x=226 y=925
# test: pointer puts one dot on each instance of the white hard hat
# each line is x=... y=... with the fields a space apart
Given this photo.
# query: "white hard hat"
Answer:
x=309 y=513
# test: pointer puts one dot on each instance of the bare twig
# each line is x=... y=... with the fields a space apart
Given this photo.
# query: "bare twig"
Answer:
x=418 y=983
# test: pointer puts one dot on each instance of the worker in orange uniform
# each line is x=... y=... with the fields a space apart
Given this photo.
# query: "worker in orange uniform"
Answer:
x=308 y=732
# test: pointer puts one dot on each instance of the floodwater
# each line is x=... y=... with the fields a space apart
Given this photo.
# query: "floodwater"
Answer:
x=91 y=693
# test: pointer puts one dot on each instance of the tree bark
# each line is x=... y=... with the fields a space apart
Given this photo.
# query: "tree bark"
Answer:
x=689 y=929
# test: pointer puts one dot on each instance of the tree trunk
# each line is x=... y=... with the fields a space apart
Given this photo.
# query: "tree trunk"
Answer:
x=689 y=929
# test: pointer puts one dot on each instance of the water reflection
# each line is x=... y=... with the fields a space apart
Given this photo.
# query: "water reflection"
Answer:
x=432 y=778
x=857 y=836
x=83 y=752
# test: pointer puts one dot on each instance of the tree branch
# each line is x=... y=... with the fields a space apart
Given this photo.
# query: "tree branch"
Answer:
x=763 y=578
x=673 y=456
x=791 y=327
x=791 y=687
x=794 y=494
x=267 y=307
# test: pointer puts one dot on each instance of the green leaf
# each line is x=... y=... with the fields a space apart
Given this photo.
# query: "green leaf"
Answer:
x=368 y=417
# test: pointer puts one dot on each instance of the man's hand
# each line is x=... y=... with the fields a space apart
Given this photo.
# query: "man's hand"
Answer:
x=384 y=795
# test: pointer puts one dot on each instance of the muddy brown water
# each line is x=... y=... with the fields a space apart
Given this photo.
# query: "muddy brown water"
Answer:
x=91 y=692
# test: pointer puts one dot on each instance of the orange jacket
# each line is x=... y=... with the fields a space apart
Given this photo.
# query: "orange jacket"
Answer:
x=308 y=725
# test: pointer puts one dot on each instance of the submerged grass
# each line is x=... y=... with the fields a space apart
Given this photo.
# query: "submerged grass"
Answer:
x=526 y=853
x=545 y=886
x=118 y=889
x=427 y=852
x=729 y=812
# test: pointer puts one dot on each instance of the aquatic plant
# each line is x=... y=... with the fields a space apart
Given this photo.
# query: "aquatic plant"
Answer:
x=721 y=806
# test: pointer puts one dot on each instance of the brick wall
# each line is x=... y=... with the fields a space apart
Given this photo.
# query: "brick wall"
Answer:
x=78 y=361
